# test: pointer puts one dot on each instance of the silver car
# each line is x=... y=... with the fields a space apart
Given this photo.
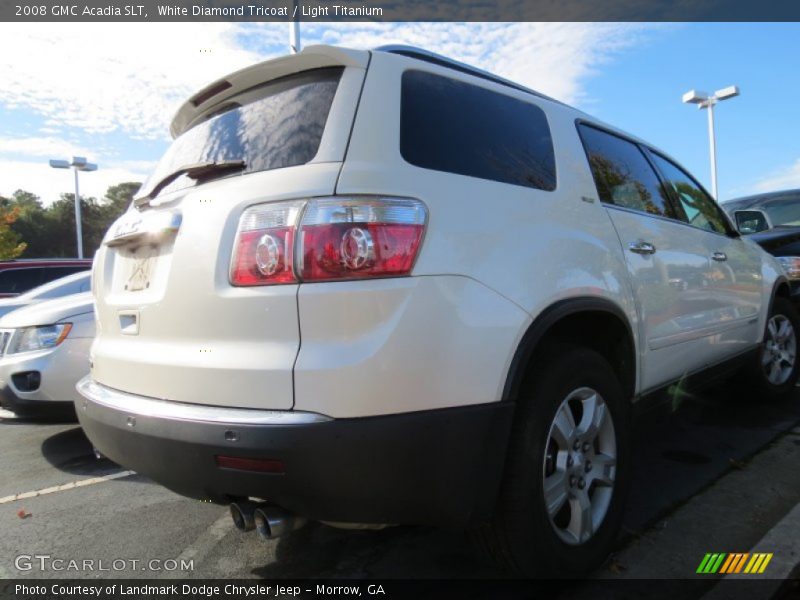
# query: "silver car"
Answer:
x=63 y=286
x=44 y=351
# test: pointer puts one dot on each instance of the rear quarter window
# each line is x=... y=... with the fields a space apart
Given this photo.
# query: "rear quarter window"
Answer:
x=451 y=126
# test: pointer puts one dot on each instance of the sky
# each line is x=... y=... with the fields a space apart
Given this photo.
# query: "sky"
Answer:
x=107 y=91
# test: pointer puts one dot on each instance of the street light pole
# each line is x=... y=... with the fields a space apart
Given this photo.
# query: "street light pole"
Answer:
x=712 y=143
x=78 y=164
x=703 y=100
x=78 y=221
x=294 y=30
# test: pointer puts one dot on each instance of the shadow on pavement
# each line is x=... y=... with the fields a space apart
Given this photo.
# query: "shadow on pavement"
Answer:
x=71 y=452
x=682 y=447
x=320 y=551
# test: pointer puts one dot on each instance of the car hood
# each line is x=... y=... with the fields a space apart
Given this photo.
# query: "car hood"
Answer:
x=784 y=241
x=9 y=304
x=49 y=311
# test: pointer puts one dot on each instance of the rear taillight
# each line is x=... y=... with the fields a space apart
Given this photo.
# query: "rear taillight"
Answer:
x=335 y=239
x=264 y=248
x=357 y=238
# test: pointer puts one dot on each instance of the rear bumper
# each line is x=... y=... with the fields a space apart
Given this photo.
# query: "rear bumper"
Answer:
x=432 y=467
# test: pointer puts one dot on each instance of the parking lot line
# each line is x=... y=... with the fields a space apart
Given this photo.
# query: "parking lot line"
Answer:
x=204 y=544
x=66 y=486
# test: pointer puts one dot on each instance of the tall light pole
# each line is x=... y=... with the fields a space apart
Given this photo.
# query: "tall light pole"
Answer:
x=78 y=164
x=294 y=30
x=703 y=100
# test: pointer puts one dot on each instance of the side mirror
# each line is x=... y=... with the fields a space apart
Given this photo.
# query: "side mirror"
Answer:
x=751 y=220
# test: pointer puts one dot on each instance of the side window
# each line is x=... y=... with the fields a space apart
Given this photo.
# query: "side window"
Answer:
x=622 y=173
x=16 y=281
x=452 y=126
x=701 y=211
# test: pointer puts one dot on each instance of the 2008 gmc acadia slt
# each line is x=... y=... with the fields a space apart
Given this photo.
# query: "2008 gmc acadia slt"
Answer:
x=383 y=287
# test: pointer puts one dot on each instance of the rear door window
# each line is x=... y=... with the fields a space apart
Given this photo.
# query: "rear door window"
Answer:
x=623 y=175
x=456 y=127
x=271 y=126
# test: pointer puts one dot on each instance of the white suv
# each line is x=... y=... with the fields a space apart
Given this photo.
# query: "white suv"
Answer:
x=382 y=287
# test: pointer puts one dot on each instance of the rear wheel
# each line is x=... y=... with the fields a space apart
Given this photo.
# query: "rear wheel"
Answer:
x=776 y=372
x=567 y=472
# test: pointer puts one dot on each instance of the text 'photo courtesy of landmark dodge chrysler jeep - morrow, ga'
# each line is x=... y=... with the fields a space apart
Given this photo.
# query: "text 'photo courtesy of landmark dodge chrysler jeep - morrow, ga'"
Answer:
x=381 y=287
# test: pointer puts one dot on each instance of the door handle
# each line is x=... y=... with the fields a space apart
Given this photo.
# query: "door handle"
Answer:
x=719 y=256
x=642 y=247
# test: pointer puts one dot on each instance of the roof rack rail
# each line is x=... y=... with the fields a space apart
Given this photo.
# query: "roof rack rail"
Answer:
x=449 y=63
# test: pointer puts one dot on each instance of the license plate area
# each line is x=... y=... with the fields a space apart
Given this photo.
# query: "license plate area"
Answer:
x=140 y=268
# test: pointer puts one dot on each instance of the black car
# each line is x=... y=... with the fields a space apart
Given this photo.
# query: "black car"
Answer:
x=773 y=221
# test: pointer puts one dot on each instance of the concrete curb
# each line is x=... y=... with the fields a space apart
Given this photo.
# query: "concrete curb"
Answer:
x=783 y=540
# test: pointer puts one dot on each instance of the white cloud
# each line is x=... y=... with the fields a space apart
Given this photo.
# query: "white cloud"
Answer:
x=40 y=146
x=552 y=58
x=48 y=184
x=786 y=178
x=103 y=77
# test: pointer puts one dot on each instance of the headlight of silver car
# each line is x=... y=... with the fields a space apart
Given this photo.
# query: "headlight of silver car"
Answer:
x=28 y=339
x=791 y=266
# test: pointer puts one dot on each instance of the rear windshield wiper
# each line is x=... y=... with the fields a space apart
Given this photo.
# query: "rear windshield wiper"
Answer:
x=201 y=170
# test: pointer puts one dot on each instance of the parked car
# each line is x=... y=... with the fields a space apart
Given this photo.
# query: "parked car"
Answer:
x=71 y=284
x=772 y=220
x=383 y=287
x=21 y=275
x=44 y=351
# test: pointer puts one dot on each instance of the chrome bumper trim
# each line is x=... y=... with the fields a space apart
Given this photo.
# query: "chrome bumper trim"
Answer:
x=131 y=404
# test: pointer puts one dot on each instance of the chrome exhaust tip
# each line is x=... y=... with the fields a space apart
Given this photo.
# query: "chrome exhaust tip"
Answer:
x=272 y=522
x=242 y=515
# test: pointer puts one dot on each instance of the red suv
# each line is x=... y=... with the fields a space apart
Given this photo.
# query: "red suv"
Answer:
x=18 y=276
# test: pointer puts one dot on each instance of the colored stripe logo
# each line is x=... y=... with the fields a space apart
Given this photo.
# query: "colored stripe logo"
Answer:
x=734 y=563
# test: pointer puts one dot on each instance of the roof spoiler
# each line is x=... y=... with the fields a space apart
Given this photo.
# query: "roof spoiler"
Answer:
x=216 y=93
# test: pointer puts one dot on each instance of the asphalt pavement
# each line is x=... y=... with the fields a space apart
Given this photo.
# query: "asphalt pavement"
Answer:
x=713 y=472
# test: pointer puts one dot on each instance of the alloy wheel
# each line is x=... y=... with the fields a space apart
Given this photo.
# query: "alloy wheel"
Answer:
x=579 y=466
x=780 y=350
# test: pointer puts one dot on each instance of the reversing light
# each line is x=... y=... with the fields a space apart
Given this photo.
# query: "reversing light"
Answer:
x=264 y=247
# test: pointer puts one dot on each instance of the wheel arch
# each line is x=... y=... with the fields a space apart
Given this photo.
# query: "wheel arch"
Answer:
x=780 y=288
x=567 y=320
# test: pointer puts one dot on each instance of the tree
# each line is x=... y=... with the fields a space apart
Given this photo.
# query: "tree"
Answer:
x=10 y=246
x=119 y=197
x=50 y=232
x=30 y=224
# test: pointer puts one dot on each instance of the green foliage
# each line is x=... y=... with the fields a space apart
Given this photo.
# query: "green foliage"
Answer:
x=10 y=246
x=50 y=232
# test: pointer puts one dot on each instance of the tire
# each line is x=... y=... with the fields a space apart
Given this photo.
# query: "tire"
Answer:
x=523 y=536
x=775 y=372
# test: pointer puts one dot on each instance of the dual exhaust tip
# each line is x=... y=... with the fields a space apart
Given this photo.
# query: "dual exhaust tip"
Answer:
x=268 y=520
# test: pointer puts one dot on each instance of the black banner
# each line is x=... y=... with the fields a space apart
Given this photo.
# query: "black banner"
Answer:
x=217 y=589
x=398 y=10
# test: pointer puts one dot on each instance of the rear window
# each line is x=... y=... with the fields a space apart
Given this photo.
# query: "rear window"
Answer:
x=271 y=126
x=452 y=126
